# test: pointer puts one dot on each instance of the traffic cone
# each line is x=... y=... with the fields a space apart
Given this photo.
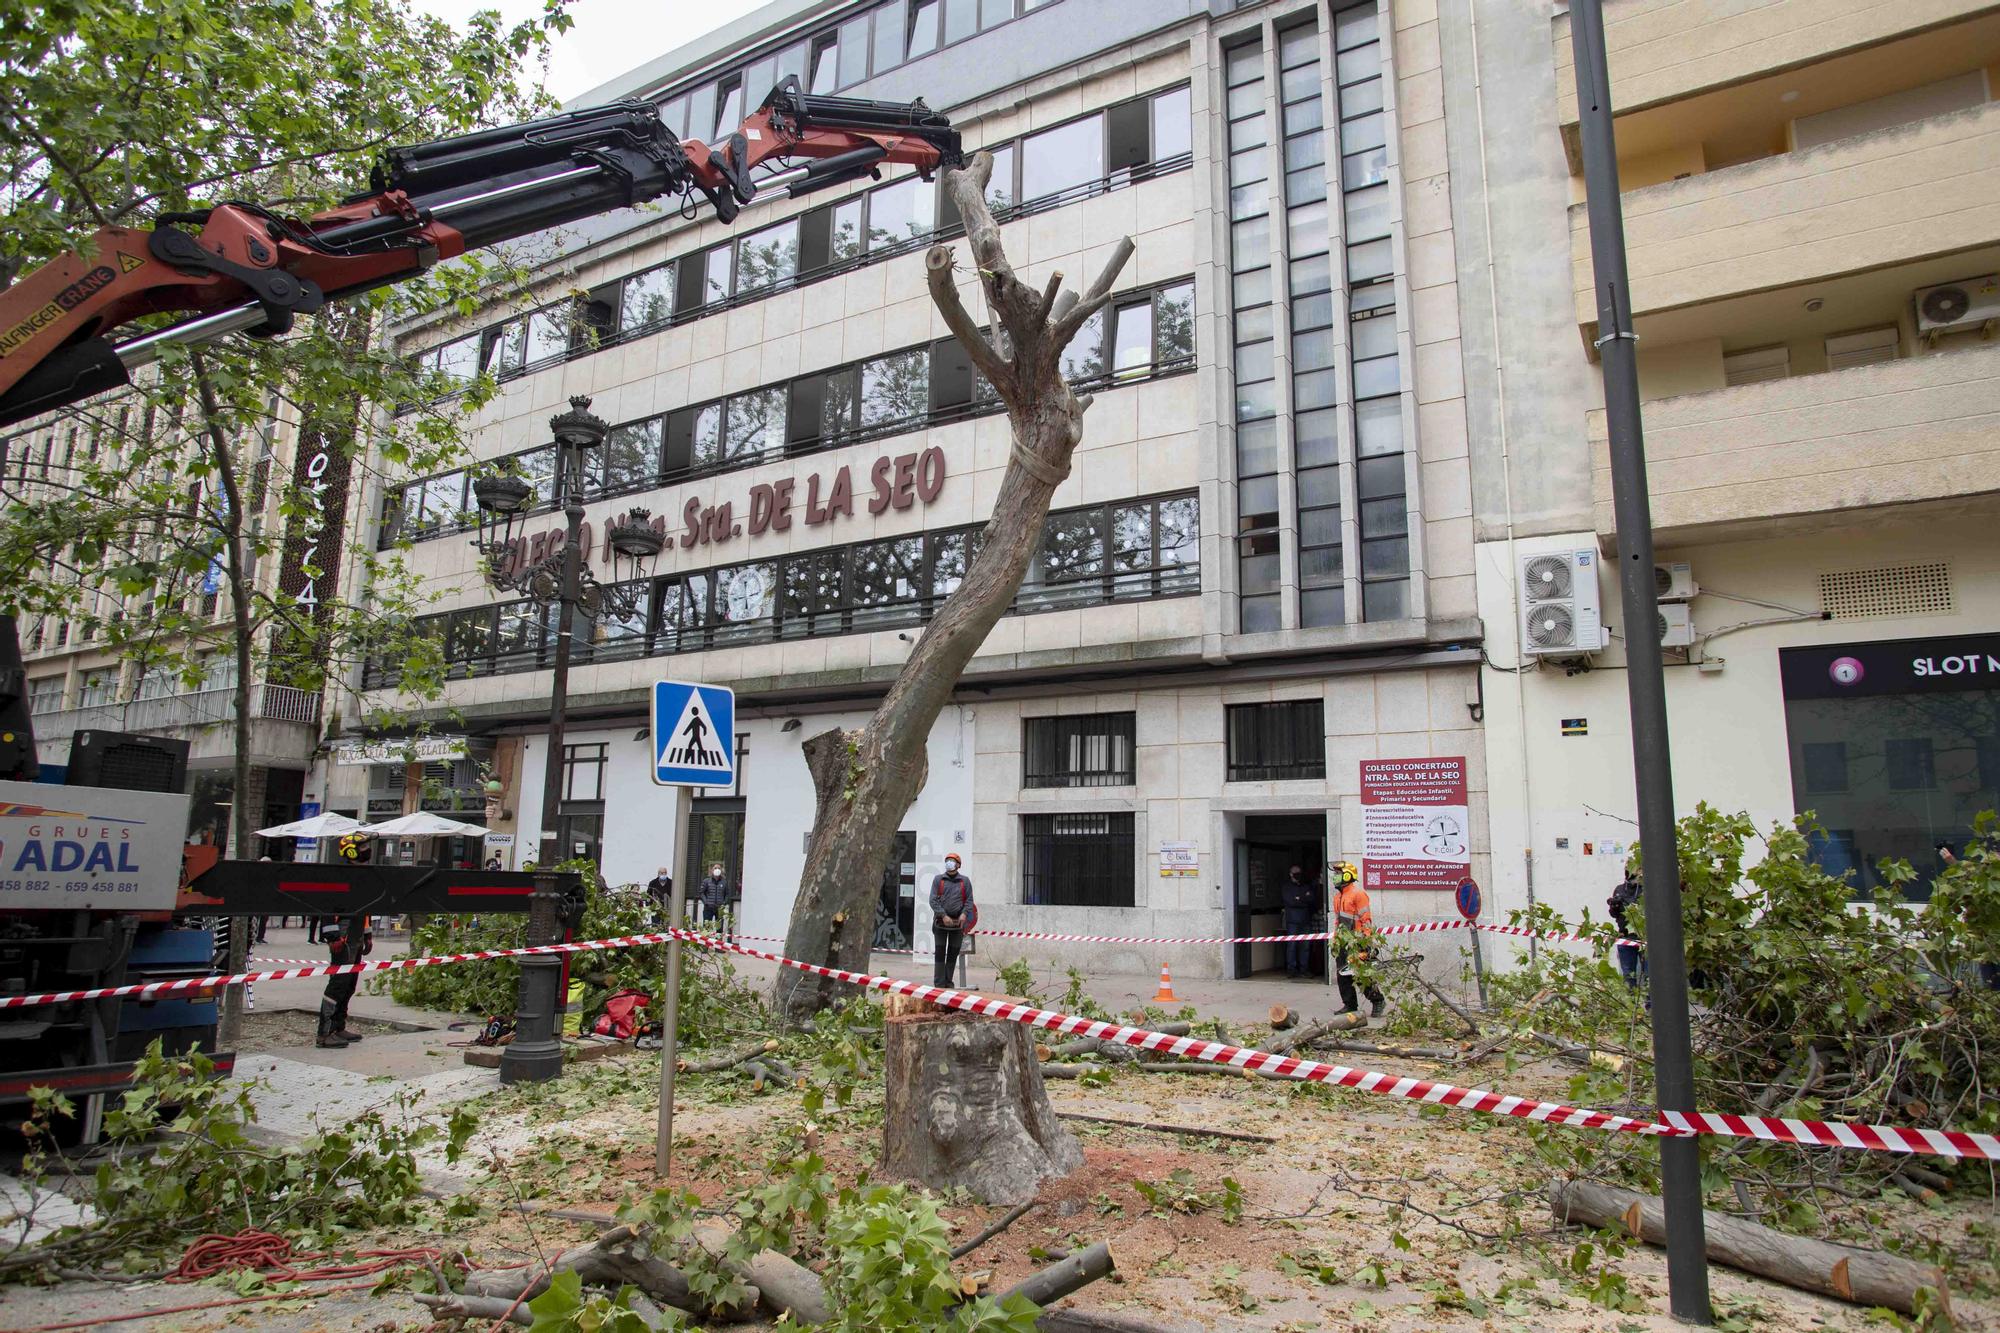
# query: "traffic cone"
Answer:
x=1166 y=995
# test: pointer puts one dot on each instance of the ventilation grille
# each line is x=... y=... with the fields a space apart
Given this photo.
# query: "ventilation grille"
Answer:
x=1898 y=590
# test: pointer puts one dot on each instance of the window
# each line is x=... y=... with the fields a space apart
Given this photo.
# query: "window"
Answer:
x=767 y=257
x=901 y=212
x=583 y=771
x=1276 y=742
x=1092 y=751
x=1138 y=549
x=97 y=689
x=728 y=108
x=458 y=360
x=1062 y=158
x=1865 y=348
x=1759 y=364
x=1910 y=763
x=1823 y=766
x=825 y=63
x=648 y=299
x=854 y=49
x=631 y=457
x=506 y=348
x=549 y=333
x=45 y=695
x=923 y=27
x=1077 y=860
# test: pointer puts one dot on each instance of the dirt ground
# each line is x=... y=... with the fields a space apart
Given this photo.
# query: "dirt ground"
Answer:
x=289 y=1029
x=1365 y=1212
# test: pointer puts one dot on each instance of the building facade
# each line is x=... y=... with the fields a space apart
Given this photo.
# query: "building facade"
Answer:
x=1258 y=580
x=1813 y=258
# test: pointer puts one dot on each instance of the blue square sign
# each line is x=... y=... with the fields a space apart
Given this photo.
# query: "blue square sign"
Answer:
x=694 y=734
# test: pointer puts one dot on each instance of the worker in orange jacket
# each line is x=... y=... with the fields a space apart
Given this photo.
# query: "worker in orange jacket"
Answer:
x=1354 y=924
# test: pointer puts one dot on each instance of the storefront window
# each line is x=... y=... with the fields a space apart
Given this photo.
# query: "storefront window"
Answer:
x=1895 y=749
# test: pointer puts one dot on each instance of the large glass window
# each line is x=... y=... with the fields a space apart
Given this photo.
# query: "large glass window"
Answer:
x=756 y=424
x=548 y=333
x=901 y=212
x=1062 y=158
x=768 y=256
x=649 y=298
x=632 y=456
x=1893 y=764
x=895 y=388
x=1078 y=860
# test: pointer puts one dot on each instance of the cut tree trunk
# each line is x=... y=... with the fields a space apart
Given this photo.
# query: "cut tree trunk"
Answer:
x=865 y=780
x=966 y=1107
x=1068 y=1274
x=1283 y=1016
x=1864 y=1277
x=1312 y=1032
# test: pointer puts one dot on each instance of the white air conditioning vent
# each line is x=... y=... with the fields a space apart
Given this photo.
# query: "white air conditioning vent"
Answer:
x=1674 y=582
x=1675 y=624
x=1560 y=612
x=1957 y=305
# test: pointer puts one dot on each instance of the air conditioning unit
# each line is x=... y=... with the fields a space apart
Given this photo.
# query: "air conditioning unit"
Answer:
x=1560 y=612
x=1957 y=305
x=1675 y=623
x=1674 y=582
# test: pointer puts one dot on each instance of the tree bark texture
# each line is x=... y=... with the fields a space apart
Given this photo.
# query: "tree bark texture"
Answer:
x=865 y=780
x=1864 y=1277
x=966 y=1107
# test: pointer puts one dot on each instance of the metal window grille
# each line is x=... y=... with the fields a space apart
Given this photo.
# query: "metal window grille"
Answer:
x=1276 y=742
x=1093 y=751
x=1077 y=860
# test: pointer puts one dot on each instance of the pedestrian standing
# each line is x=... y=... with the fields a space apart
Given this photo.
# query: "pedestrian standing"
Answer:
x=493 y=862
x=660 y=888
x=712 y=896
x=951 y=903
x=1631 y=954
x=1302 y=904
x=1354 y=926
x=348 y=940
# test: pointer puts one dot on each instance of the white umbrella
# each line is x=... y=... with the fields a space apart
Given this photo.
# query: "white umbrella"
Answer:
x=423 y=824
x=328 y=825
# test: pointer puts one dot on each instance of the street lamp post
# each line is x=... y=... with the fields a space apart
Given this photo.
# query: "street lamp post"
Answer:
x=563 y=581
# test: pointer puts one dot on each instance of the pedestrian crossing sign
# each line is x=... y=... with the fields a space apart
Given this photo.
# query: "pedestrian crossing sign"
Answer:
x=694 y=734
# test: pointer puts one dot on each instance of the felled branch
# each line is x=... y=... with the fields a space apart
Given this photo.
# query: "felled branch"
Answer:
x=1864 y=1277
x=486 y=1309
x=1066 y=1275
x=1007 y=1219
x=727 y=1059
x=1312 y=1032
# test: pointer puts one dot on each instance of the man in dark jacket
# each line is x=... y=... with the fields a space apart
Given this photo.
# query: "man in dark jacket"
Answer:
x=660 y=888
x=951 y=901
x=1301 y=902
x=714 y=896
x=1631 y=957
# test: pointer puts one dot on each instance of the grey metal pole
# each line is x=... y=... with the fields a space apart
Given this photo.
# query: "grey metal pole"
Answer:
x=1645 y=677
x=535 y=1054
x=670 y=1017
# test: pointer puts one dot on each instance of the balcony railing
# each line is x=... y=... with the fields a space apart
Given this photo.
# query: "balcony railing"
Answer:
x=170 y=712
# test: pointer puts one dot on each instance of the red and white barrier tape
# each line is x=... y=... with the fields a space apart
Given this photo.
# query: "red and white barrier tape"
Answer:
x=285 y=962
x=1402 y=928
x=1879 y=1138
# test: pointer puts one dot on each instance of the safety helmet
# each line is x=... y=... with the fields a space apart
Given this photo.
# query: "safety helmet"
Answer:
x=354 y=847
x=1344 y=873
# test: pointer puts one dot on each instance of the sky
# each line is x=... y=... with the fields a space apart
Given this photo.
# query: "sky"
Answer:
x=610 y=36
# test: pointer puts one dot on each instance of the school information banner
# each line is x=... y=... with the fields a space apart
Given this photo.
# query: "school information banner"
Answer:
x=1414 y=826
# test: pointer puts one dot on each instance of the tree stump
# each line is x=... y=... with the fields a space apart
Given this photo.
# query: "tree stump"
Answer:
x=966 y=1106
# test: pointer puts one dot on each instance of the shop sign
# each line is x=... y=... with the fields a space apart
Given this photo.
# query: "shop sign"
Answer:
x=414 y=750
x=1414 y=824
x=90 y=848
x=1891 y=666
x=893 y=481
x=1179 y=860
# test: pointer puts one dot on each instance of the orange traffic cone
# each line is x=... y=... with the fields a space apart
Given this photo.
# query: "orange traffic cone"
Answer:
x=1166 y=995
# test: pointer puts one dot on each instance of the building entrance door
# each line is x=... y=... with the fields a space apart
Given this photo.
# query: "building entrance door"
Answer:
x=715 y=837
x=1270 y=847
x=896 y=910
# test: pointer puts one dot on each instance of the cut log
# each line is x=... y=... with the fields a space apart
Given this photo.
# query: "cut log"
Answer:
x=1864 y=1277
x=1069 y=1050
x=1069 y=1071
x=1202 y=1067
x=782 y=1285
x=965 y=1108
x=533 y=1279
x=1312 y=1032
x=1283 y=1016
x=1072 y=1273
x=712 y=1063
x=1157 y=1127
x=486 y=1309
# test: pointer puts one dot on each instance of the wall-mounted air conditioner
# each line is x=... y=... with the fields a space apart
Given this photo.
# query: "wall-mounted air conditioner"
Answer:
x=1965 y=304
x=1560 y=612
x=1673 y=581
x=1675 y=623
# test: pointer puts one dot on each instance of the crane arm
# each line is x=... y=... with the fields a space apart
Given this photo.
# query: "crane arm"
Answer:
x=239 y=267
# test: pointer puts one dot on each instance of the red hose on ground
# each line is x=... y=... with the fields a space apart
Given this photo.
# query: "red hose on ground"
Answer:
x=266 y=1253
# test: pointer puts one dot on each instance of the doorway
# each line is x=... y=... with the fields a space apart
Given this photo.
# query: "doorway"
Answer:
x=715 y=837
x=1270 y=846
x=896 y=909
